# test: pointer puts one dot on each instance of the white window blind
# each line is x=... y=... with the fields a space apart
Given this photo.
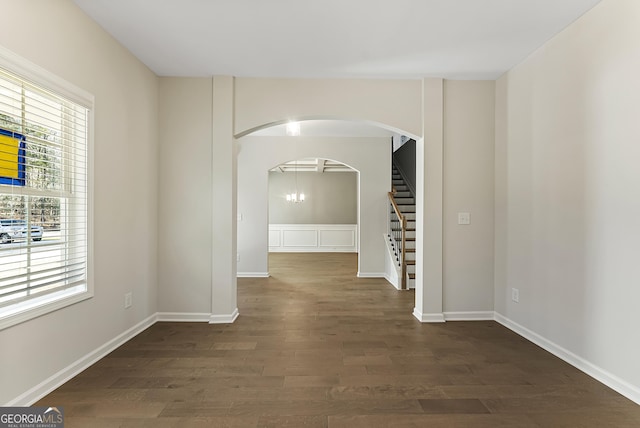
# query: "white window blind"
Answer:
x=43 y=196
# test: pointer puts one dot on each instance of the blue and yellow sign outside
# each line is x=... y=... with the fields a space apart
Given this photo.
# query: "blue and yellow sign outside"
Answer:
x=12 y=151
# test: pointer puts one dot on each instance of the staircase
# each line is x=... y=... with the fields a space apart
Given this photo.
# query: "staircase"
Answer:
x=406 y=203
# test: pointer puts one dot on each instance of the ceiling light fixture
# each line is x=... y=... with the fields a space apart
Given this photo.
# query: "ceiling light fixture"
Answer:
x=293 y=129
x=295 y=197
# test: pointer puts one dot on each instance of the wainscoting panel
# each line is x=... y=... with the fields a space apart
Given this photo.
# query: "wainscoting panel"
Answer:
x=299 y=238
x=337 y=238
x=310 y=238
x=274 y=238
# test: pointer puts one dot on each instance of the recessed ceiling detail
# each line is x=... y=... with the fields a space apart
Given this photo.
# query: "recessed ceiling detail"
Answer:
x=312 y=165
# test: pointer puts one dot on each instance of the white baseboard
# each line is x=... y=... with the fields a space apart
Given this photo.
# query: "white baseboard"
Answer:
x=64 y=375
x=428 y=317
x=252 y=275
x=391 y=281
x=625 y=388
x=183 y=317
x=311 y=250
x=224 y=319
x=469 y=316
x=371 y=275
x=48 y=385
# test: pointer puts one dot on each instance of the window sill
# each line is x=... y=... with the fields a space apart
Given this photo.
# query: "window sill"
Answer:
x=30 y=309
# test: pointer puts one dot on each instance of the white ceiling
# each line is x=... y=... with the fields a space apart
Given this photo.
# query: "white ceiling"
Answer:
x=455 y=39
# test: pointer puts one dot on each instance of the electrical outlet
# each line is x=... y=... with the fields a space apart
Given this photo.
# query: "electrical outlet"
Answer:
x=515 y=295
x=128 y=300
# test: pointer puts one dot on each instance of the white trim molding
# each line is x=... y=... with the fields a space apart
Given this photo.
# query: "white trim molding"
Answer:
x=224 y=318
x=428 y=317
x=45 y=387
x=469 y=316
x=252 y=274
x=309 y=238
x=393 y=271
x=371 y=275
x=392 y=281
x=183 y=317
x=612 y=381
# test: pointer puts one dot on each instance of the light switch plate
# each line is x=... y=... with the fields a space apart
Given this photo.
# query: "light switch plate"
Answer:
x=464 y=218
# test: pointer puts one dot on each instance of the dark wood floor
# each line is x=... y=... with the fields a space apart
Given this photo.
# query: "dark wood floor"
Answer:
x=315 y=346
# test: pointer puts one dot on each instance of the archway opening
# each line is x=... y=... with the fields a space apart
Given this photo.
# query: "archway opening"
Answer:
x=312 y=208
x=339 y=144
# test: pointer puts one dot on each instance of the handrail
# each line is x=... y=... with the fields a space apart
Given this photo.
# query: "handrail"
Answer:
x=395 y=205
x=402 y=244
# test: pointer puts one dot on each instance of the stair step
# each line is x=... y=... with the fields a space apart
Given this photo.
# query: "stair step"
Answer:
x=404 y=201
x=412 y=275
x=406 y=210
x=402 y=194
x=410 y=262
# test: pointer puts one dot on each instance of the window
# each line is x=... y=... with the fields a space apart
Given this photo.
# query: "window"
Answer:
x=44 y=185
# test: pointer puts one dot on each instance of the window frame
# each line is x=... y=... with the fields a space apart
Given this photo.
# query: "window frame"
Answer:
x=27 y=310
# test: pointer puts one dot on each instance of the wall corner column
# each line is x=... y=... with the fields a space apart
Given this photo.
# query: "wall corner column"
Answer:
x=224 y=307
x=429 y=204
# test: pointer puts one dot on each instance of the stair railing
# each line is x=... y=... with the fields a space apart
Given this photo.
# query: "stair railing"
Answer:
x=397 y=235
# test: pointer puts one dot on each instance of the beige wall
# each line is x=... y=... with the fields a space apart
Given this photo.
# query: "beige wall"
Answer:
x=331 y=198
x=567 y=188
x=468 y=187
x=58 y=37
x=395 y=104
x=185 y=203
x=429 y=196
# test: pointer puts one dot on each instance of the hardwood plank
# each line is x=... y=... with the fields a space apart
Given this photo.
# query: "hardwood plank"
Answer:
x=419 y=421
x=455 y=406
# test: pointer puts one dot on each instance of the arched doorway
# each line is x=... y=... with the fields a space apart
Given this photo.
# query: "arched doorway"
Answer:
x=369 y=155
